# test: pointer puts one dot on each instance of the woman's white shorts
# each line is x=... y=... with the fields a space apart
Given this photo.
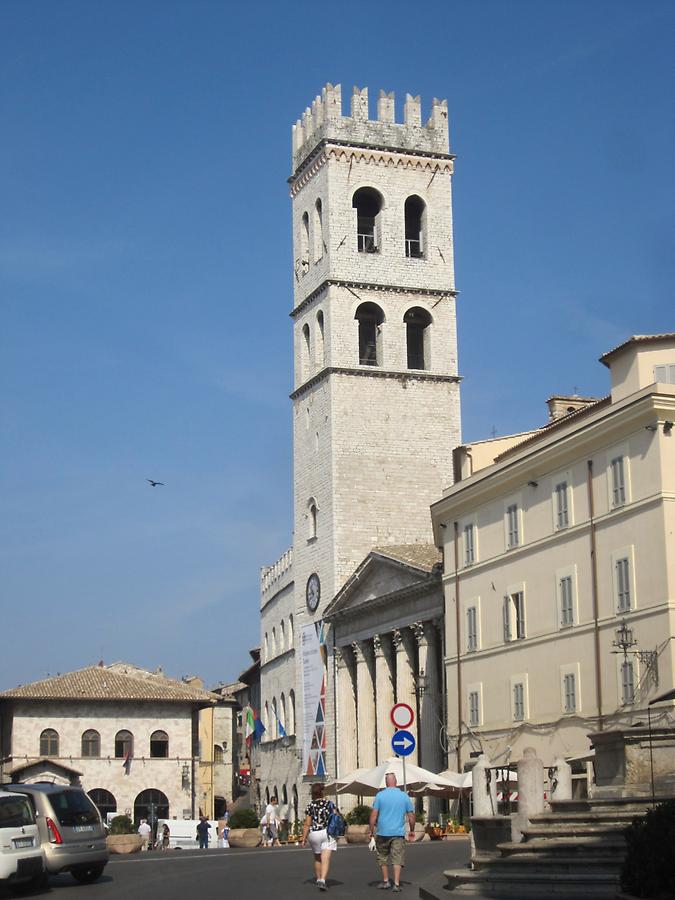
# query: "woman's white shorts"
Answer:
x=319 y=840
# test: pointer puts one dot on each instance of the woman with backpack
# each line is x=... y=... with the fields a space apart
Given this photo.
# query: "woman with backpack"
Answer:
x=317 y=817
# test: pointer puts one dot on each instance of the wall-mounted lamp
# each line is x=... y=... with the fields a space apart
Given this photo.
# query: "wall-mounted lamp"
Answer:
x=185 y=773
x=667 y=426
x=625 y=642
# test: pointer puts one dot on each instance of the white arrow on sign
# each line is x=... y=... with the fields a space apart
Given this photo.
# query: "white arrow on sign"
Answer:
x=403 y=742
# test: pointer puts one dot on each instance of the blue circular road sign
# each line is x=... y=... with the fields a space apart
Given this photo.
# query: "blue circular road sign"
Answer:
x=403 y=743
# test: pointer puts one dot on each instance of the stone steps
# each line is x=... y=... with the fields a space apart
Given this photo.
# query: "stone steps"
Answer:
x=531 y=884
x=573 y=830
x=565 y=845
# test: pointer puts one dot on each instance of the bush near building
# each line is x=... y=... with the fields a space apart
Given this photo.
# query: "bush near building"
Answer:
x=648 y=869
x=244 y=818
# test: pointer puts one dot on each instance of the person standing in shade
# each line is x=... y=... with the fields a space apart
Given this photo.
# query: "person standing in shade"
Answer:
x=145 y=831
x=203 y=828
x=273 y=821
x=392 y=816
x=315 y=827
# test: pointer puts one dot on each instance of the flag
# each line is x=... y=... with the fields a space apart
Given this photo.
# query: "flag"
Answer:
x=258 y=726
x=249 y=726
x=282 y=730
x=126 y=765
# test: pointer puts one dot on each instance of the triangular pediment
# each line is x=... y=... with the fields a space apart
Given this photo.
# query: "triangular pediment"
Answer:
x=386 y=572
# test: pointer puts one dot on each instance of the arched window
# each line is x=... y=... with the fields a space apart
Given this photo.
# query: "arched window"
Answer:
x=284 y=795
x=151 y=804
x=319 y=339
x=49 y=742
x=370 y=318
x=266 y=648
x=282 y=637
x=318 y=230
x=275 y=718
x=103 y=800
x=91 y=743
x=417 y=321
x=312 y=519
x=368 y=204
x=282 y=712
x=414 y=227
x=305 y=351
x=267 y=795
x=124 y=744
x=304 y=243
x=273 y=645
x=295 y=803
x=290 y=630
x=290 y=713
x=159 y=745
x=218 y=754
x=266 y=721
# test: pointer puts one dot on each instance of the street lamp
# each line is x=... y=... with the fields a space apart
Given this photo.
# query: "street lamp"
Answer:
x=624 y=643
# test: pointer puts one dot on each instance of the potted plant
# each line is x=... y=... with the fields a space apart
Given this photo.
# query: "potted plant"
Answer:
x=123 y=837
x=358 y=828
x=244 y=828
x=434 y=831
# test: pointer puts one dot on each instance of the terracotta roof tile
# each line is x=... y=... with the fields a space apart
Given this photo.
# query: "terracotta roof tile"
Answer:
x=637 y=339
x=421 y=556
x=101 y=683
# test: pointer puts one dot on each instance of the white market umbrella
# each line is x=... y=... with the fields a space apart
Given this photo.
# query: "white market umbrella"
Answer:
x=369 y=781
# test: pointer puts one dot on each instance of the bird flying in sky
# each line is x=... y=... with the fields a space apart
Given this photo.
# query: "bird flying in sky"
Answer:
x=154 y=483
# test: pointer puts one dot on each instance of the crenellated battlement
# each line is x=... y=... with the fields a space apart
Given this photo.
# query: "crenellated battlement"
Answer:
x=270 y=576
x=324 y=120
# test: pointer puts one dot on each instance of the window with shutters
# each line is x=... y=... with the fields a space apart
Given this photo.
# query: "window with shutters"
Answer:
x=159 y=745
x=566 y=599
x=622 y=581
x=474 y=707
x=469 y=534
x=513 y=612
x=91 y=743
x=665 y=374
x=512 y=525
x=471 y=629
x=518 y=691
x=618 y=481
x=49 y=742
x=561 y=494
x=569 y=692
x=124 y=745
x=627 y=674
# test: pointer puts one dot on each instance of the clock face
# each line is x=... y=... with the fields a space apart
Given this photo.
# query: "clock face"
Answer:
x=313 y=592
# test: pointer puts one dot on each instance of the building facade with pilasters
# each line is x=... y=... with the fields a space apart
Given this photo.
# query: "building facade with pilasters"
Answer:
x=376 y=403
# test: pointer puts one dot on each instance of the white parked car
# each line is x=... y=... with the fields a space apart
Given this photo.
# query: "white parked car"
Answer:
x=21 y=857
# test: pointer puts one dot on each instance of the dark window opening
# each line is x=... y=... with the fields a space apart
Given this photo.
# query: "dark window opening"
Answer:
x=124 y=744
x=368 y=204
x=91 y=743
x=414 y=214
x=417 y=321
x=370 y=318
x=159 y=745
x=49 y=743
x=104 y=801
x=152 y=805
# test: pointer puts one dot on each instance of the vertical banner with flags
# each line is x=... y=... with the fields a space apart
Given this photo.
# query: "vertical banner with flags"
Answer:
x=253 y=727
x=314 y=669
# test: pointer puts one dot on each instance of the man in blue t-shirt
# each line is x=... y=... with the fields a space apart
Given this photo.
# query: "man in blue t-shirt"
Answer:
x=391 y=809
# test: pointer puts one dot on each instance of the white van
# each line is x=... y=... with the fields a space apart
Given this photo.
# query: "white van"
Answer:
x=21 y=857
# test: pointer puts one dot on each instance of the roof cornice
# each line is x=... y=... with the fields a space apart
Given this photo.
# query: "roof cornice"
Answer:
x=369 y=286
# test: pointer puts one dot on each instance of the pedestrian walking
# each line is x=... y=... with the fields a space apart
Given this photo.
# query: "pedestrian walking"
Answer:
x=203 y=828
x=392 y=812
x=145 y=831
x=273 y=821
x=315 y=827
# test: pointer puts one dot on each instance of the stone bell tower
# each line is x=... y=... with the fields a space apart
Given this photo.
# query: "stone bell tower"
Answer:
x=376 y=402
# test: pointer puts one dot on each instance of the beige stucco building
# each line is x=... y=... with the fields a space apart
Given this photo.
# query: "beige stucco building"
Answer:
x=130 y=737
x=551 y=541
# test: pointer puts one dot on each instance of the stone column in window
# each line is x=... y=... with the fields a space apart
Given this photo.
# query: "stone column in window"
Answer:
x=429 y=705
x=347 y=759
x=384 y=689
x=405 y=677
x=365 y=703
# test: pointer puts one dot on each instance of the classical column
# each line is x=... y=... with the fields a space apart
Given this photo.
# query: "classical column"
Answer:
x=384 y=691
x=365 y=704
x=405 y=677
x=347 y=759
x=429 y=706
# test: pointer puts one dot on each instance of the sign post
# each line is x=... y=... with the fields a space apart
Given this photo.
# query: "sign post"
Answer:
x=403 y=742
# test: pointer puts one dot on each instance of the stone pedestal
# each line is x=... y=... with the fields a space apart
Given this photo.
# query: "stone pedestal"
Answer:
x=624 y=760
x=530 y=791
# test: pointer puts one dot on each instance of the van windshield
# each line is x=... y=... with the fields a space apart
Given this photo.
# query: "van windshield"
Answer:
x=15 y=812
x=74 y=808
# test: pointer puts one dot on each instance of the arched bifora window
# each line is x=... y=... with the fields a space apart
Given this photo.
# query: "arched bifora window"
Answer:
x=370 y=318
x=414 y=226
x=124 y=744
x=368 y=204
x=49 y=742
x=305 y=352
x=159 y=745
x=319 y=339
x=417 y=322
x=91 y=743
x=304 y=243
x=312 y=520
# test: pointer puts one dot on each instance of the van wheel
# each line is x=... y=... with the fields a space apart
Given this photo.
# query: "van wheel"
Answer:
x=87 y=874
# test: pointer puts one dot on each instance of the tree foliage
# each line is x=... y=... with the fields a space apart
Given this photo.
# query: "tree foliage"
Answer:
x=648 y=869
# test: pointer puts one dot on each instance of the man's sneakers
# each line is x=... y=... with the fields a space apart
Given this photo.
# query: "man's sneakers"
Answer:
x=321 y=884
x=396 y=889
x=384 y=886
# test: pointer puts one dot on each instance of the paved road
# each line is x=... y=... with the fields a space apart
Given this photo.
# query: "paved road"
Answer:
x=277 y=873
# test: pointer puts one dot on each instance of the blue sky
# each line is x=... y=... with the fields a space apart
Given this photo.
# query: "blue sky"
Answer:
x=146 y=280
